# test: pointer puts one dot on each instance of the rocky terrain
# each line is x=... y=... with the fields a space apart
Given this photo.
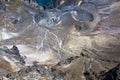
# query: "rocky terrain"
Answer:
x=66 y=40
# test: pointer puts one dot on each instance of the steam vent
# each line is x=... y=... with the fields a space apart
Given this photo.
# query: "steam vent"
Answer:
x=59 y=39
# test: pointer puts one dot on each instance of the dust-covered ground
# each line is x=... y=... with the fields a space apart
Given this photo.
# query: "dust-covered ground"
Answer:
x=64 y=40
